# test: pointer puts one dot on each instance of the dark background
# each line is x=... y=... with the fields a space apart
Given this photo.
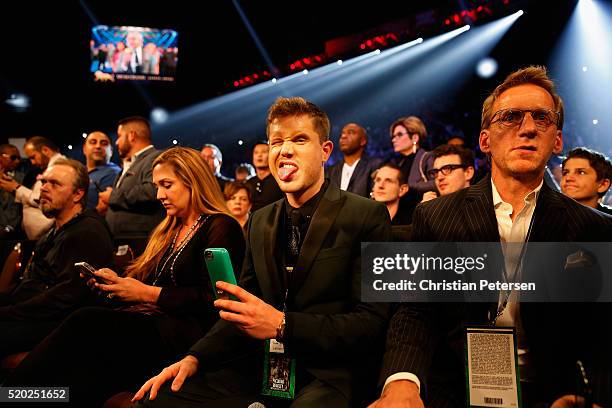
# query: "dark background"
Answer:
x=45 y=54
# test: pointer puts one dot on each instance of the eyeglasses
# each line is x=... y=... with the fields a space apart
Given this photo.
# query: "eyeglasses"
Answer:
x=543 y=118
x=445 y=170
x=12 y=157
x=400 y=134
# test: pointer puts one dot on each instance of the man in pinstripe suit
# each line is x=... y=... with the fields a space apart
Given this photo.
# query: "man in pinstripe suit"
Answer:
x=521 y=127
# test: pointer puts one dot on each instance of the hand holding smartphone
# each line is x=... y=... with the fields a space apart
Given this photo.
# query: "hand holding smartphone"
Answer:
x=219 y=268
x=88 y=271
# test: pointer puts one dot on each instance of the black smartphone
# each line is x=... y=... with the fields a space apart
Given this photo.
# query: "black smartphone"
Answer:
x=88 y=270
x=219 y=268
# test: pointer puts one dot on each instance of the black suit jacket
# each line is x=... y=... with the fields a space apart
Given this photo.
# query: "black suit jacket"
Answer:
x=427 y=339
x=361 y=181
x=133 y=206
x=328 y=329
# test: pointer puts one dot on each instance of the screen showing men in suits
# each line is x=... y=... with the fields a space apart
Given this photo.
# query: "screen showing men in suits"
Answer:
x=133 y=53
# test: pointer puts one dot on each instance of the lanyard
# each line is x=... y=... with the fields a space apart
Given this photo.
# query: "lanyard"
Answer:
x=517 y=267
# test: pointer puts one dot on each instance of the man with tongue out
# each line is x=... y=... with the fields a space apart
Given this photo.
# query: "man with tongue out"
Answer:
x=300 y=288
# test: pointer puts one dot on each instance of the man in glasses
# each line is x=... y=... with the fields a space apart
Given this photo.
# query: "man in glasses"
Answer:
x=453 y=170
x=521 y=128
x=51 y=287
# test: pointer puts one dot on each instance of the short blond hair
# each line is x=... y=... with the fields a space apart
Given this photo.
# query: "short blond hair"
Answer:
x=536 y=75
x=297 y=106
x=413 y=124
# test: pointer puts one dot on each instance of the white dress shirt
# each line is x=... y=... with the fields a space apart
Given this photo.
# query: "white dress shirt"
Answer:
x=347 y=173
x=509 y=231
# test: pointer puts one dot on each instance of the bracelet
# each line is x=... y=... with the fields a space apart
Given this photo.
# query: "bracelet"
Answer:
x=280 y=330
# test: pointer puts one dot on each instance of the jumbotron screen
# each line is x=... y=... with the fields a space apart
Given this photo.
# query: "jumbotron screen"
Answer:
x=133 y=53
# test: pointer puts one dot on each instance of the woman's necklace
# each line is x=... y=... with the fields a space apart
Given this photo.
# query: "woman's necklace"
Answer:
x=175 y=254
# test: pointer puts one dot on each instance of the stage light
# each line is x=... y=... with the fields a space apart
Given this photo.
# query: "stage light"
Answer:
x=69 y=147
x=486 y=67
x=339 y=62
x=174 y=142
x=240 y=143
x=274 y=80
x=399 y=78
x=305 y=72
x=377 y=51
x=519 y=13
x=580 y=62
x=159 y=116
x=19 y=101
x=84 y=135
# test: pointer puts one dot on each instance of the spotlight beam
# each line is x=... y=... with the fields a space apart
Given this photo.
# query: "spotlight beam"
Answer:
x=256 y=40
x=373 y=88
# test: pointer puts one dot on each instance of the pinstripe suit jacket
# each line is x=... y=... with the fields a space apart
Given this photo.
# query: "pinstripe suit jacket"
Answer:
x=427 y=340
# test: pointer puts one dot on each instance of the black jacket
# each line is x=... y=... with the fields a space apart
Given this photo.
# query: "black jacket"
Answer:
x=328 y=329
x=51 y=287
x=427 y=339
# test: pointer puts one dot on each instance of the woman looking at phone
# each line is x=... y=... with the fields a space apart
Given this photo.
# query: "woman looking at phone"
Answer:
x=161 y=307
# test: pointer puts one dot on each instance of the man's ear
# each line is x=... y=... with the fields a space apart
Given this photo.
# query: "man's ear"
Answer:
x=78 y=196
x=604 y=185
x=558 y=147
x=363 y=142
x=403 y=190
x=46 y=151
x=469 y=173
x=327 y=147
x=485 y=141
x=131 y=136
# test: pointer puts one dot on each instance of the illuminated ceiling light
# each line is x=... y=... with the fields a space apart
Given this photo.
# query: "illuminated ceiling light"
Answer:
x=486 y=67
x=159 y=115
x=18 y=101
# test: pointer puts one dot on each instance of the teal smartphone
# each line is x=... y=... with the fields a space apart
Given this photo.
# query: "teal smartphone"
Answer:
x=219 y=268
